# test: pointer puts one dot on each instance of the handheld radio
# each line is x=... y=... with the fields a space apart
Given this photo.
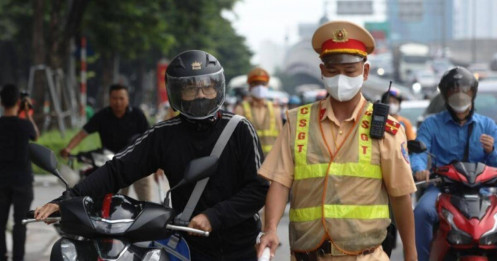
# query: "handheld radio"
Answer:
x=379 y=118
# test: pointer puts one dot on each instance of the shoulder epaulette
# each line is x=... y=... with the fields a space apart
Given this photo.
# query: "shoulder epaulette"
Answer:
x=392 y=126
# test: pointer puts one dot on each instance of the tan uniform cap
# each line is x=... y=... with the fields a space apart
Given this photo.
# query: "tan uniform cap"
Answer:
x=257 y=74
x=342 y=42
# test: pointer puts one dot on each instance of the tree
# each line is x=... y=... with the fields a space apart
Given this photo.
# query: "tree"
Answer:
x=199 y=25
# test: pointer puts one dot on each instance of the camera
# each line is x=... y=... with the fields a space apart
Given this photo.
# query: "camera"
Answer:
x=25 y=100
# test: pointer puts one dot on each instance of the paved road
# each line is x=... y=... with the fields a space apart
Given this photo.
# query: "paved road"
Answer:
x=40 y=237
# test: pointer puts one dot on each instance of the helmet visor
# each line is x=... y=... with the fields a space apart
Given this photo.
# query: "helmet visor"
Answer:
x=197 y=97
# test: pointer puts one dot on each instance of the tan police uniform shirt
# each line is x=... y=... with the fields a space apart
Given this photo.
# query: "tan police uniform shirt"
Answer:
x=392 y=155
x=397 y=176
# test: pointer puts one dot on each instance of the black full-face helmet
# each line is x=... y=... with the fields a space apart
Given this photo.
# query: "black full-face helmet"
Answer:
x=195 y=84
x=458 y=81
x=457 y=78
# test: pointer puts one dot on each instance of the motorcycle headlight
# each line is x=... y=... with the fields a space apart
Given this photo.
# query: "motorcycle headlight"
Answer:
x=111 y=226
x=490 y=237
x=154 y=255
x=110 y=249
x=456 y=236
x=68 y=250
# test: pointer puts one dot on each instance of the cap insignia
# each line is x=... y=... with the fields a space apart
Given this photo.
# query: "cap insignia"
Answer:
x=196 y=66
x=340 y=36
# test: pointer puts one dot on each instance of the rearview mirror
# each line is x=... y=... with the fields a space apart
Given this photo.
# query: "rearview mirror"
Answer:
x=45 y=158
x=196 y=170
x=416 y=146
x=200 y=168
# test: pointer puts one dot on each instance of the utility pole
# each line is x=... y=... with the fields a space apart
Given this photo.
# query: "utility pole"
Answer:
x=473 y=40
x=444 y=33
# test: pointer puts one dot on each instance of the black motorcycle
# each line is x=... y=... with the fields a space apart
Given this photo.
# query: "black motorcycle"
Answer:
x=119 y=228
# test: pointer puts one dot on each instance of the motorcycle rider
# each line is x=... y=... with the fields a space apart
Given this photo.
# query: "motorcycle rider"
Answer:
x=466 y=136
x=117 y=125
x=233 y=195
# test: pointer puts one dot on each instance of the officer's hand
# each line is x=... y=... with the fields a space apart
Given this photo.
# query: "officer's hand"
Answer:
x=487 y=142
x=158 y=175
x=422 y=175
x=269 y=239
x=45 y=211
x=65 y=153
x=201 y=222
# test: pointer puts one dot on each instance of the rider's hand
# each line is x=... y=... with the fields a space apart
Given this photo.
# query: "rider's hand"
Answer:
x=65 y=153
x=487 y=142
x=422 y=175
x=45 y=211
x=269 y=239
x=201 y=222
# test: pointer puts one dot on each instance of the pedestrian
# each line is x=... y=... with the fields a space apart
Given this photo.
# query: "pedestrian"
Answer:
x=228 y=206
x=16 y=176
x=117 y=125
x=455 y=134
x=339 y=178
x=394 y=99
x=262 y=113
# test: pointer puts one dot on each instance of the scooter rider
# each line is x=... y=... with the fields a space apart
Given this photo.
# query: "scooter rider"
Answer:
x=232 y=197
x=467 y=136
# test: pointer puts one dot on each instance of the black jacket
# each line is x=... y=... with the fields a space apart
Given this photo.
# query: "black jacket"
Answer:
x=232 y=196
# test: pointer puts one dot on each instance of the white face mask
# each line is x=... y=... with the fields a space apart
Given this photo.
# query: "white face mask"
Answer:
x=342 y=87
x=459 y=102
x=394 y=108
x=259 y=91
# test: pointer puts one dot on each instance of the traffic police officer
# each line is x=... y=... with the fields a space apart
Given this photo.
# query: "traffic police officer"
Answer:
x=340 y=178
x=262 y=113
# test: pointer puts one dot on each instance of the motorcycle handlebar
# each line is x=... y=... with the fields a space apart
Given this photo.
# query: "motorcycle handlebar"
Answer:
x=56 y=218
x=188 y=229
x=427 y=182
x=32 y=220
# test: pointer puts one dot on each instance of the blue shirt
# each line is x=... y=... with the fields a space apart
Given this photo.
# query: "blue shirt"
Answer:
x=446 y=139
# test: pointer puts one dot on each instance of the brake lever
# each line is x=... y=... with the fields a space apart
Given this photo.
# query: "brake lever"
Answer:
x=427 y=182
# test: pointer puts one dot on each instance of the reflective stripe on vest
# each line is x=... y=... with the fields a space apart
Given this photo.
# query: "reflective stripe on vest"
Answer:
x=361 y=169
x=339 y=211
x=271 y=132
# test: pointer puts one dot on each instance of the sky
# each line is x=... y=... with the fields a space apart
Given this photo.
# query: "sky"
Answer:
x=274 y=20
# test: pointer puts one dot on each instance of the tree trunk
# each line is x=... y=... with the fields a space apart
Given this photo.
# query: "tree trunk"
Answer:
x=108 y=64
x=139 y=90
x=39 y=58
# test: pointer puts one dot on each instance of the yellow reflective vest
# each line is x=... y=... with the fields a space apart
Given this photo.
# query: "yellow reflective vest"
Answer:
x=267 y=130
x=342 y=199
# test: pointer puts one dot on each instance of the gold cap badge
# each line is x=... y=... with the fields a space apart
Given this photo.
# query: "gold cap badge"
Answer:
x=196 y=66
x=340 y=36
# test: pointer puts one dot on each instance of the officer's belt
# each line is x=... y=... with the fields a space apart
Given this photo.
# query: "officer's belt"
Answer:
x=326 y=249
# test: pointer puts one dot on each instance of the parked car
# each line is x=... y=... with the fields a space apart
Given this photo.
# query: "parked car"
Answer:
x=424 y=83
x=382 y=64
x=440 y=66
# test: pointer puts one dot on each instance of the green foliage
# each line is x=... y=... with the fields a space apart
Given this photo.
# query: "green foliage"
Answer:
x=133 y=30
x=129 y=28
x=14 y=17
x=54 y=141
x=199 y=25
